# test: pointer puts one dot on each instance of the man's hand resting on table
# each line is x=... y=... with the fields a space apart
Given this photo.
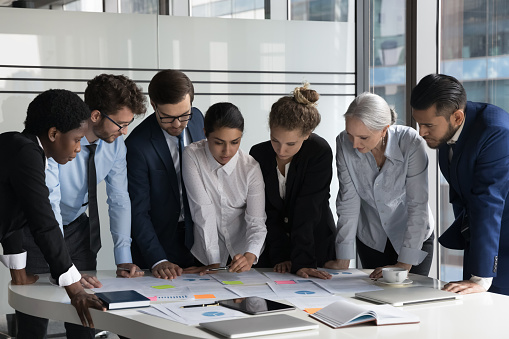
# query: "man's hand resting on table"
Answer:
x=20 y=277
x=82 y=301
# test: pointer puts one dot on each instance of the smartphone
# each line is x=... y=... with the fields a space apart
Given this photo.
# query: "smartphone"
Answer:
x=255 y=305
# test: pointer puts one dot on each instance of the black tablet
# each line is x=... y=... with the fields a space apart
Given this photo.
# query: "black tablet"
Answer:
x=255 y=305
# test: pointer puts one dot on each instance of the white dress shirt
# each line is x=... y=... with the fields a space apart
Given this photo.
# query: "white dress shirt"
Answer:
x=227 y=204
x=391 y=203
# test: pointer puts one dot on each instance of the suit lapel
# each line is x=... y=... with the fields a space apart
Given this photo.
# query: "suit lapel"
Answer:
x=161 y=147
x=470 y=113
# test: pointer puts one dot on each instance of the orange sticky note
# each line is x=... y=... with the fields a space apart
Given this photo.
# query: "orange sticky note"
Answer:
x=312 y=310
x=204 y=296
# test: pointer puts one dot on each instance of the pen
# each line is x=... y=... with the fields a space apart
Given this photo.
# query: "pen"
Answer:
x=225 y=268
x=200 y=305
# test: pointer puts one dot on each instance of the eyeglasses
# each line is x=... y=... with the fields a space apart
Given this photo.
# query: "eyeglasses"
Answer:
x=120 y=127
x=170 y=120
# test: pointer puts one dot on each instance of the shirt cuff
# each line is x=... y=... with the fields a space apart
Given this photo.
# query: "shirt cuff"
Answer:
x=14 y=261
x=483 y=282
x=345 y=251
x=68 y=278
x=411 y=256
x=157 y=263
x=122 y=255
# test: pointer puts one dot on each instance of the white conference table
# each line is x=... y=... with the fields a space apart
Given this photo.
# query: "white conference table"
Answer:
x=482 y=315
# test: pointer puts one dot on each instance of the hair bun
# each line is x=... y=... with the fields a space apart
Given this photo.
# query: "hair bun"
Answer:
x=305 y=96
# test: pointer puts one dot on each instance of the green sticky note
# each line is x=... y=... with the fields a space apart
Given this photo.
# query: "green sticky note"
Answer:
x=234 y=282
x=162 y=287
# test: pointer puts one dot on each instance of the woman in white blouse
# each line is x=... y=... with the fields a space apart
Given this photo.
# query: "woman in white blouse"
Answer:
x=382 y=203
x=226 y=194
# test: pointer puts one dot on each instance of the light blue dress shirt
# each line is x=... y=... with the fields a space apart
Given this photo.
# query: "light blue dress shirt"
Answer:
x=68 y=186
x=391 y=203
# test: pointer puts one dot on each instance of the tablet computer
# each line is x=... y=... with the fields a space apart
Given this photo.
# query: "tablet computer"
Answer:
x=255 y=305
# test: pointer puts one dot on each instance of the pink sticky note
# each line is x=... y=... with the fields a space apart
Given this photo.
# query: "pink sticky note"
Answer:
x=152 y=298
x=284 y=282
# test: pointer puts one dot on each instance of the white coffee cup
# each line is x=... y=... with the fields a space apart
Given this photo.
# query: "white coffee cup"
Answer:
x=394 y=274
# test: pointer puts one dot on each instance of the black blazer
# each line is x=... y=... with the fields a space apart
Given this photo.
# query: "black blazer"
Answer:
x=301 y=227
x=24 y=201
x=155 y=197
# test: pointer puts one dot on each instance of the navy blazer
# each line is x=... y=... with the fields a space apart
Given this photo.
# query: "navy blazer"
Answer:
x=155 y=197
x=301 y=227
x=478 y=177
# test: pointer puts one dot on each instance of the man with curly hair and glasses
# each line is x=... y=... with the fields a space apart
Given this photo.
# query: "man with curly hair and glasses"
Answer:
x=113 y=100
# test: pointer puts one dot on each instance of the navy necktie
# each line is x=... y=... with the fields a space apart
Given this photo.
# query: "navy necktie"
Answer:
x=189 y=236
x=93 y=211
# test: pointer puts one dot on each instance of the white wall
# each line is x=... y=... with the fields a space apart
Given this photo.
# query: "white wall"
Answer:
x=248 y=62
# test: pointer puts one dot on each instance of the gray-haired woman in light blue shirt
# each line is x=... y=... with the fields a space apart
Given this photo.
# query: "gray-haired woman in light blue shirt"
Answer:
x=382 y=203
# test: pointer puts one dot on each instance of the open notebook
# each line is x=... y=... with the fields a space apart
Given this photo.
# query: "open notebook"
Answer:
x=344 y=313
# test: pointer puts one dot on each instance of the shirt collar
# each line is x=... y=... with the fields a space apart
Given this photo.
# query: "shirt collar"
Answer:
x=456 y=135
x=393 y=151
x=214 y=165
x=45 y=157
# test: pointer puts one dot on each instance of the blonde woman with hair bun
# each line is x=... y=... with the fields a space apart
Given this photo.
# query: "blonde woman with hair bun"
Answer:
x=297 y=169
x=382 y=202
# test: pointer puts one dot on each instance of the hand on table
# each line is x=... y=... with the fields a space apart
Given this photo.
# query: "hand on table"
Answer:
x=377 y=273
x=82 y=301
x=20 y=277
x=313 y=272
x=283 y=267
x=463 y=287
x=89 y=281
x=202 y=270
x=242 y=262
x=129 y=270
x=166 y=270
x=338 y=264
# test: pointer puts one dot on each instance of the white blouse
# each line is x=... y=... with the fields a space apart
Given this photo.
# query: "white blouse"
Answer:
x=227 y=204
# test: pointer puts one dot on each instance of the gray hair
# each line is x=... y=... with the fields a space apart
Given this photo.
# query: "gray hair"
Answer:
x=372 y=110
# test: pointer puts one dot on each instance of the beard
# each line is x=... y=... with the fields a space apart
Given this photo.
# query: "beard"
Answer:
x=446 y=137
x=101 y=133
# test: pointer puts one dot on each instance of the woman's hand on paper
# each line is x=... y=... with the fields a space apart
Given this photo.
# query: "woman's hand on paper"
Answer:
x=283 y=267
x=313 y=272
x=242 y=262
x=338 y=264
x=167 y=270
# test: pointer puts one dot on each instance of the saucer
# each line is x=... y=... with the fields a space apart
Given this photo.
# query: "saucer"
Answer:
x=405 y=282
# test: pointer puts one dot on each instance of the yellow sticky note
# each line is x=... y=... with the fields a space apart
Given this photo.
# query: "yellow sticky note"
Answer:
x=233 y=282
x=312 y=310
x=204 y=296
x=163 y=287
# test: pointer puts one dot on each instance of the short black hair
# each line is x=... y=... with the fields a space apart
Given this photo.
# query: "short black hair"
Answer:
x=58 y=108
x=109 y=93
x=223 y=114
x=170 y=86
x=443 y=90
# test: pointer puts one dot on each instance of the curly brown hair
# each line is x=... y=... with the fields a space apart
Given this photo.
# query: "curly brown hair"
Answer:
x=109 y=93
x=297 y=111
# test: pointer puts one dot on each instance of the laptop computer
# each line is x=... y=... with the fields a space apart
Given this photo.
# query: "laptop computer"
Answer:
x=255 y=326
x=406 y=296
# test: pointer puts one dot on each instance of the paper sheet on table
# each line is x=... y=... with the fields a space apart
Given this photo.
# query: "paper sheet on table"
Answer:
x=262 y=291
x=298 y=290
x=155 y=311
x=286 y=278
x=195 y=280
x=147 y=286
x=196 y=315
x=214 y=292
x=313 y=304
x=251 y=277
